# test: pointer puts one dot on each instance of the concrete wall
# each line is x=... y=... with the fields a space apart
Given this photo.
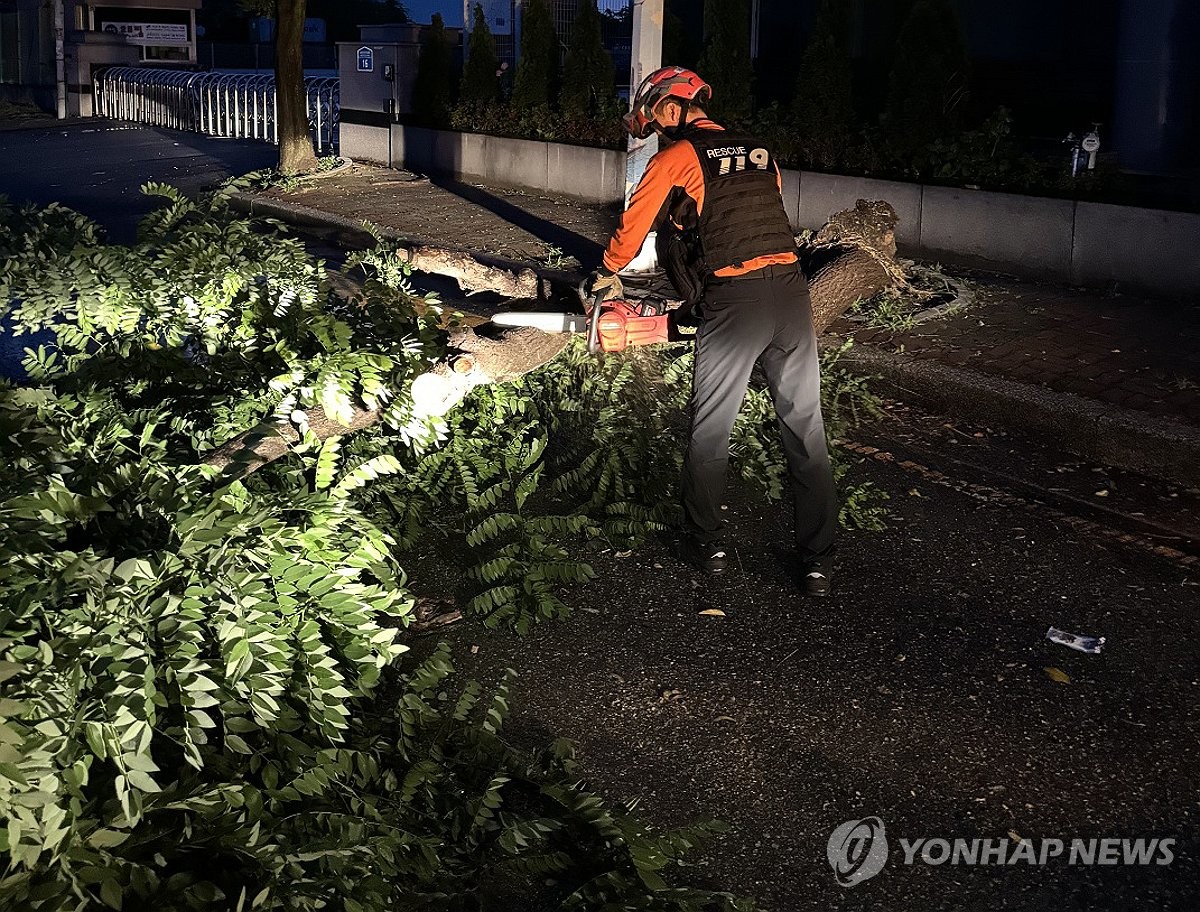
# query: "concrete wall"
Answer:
x=369 y=144
x=594 y=175
x=1085 y=243
x=1142 y=248
x=997 y=231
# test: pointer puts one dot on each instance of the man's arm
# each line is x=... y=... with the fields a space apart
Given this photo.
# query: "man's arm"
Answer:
x=667 y=170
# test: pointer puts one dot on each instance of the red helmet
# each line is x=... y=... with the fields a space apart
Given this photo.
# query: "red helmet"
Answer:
x=669 y=82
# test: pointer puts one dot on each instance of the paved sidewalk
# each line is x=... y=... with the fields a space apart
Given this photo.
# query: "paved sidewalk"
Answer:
x=1111 y=377
x=1127 y=352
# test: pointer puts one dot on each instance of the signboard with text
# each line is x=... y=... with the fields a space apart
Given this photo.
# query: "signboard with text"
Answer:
x=366 y=60
x=154 y=33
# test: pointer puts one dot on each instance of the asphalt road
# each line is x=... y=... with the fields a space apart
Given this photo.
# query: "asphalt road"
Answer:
x=919 y=693
x=96 y=167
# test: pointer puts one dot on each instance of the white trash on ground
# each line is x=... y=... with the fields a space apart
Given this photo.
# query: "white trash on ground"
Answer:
x=1077 y=641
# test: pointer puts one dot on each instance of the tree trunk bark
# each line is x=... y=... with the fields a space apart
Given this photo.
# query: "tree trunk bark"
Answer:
x=854 y=275
x=291 y=100
x=471 y=274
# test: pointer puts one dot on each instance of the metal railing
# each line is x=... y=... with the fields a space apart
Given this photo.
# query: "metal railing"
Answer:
x=216 y=104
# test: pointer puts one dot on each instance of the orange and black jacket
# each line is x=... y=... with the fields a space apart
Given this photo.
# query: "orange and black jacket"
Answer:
x=724 y=185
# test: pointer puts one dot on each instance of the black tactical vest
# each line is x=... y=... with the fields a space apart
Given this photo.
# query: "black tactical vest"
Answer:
x=743 y=215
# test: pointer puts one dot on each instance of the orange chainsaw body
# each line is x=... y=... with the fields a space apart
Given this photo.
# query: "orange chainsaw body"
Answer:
x=620 y=325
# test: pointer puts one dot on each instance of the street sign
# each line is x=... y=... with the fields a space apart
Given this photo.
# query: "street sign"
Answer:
x=366 y=60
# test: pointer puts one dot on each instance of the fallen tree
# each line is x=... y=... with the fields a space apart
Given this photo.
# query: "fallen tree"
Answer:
x=851 y=258
x=473 y=358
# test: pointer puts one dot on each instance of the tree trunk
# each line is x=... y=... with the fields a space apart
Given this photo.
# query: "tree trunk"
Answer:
x=853 y=276
x=471 y=274
x=291 y=100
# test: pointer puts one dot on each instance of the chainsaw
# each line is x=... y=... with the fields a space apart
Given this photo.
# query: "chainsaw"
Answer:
x=611 y=326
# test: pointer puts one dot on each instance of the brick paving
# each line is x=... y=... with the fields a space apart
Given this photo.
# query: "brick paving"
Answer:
x=1129 y=352
x=1125 y=351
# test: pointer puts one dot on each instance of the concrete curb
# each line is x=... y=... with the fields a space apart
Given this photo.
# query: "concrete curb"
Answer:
x=1104 y=433
x=1108 y=434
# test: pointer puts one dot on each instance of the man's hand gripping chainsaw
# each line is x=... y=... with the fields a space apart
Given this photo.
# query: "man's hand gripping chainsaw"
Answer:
x=611 y=326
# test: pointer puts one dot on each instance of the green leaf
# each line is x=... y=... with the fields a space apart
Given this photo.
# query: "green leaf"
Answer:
x=107 y=839
x=327 y=461
x=111 y=894
x=142 y=781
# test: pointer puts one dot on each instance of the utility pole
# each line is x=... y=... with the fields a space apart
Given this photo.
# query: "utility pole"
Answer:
x=60 y=64
x=518 y=19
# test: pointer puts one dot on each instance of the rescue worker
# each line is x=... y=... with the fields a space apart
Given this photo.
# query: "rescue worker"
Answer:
x=724 y=190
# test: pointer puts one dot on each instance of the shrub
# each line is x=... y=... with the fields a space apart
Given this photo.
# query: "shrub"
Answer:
x=537 y=71
x=822 y=109
x=588 y=73
x=928 y=84
x=725 y=62
x=480 y=82
x=433 y=86
x=540 y=123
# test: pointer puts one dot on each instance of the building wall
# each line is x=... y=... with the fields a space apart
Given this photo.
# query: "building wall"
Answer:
x=28 y=67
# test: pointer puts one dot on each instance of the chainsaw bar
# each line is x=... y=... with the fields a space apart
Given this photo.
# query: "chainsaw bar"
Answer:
x=546 y=322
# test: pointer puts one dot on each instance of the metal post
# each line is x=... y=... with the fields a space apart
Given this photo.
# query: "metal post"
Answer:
x=645 y=59
x=60 y=63
x=315 y=102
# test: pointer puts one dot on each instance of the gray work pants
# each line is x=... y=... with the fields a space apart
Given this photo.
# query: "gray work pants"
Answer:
x=764 y=318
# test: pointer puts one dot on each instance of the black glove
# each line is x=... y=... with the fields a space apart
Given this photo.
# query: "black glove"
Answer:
x=604 y=281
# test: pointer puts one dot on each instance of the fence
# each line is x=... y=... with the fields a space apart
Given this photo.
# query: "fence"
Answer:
x=216 y=104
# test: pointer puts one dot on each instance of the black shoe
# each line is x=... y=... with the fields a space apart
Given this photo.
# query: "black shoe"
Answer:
x=816 y=579
x=711 y=557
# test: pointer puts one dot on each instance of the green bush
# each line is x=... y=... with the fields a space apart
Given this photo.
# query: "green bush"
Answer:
x=588 y=72
x=929 y=81
x=198 y=710
x=725 y=62
x=822 y=109
x=536 y=83
x=433 y=86
x=480 y=84
x=542 y=123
